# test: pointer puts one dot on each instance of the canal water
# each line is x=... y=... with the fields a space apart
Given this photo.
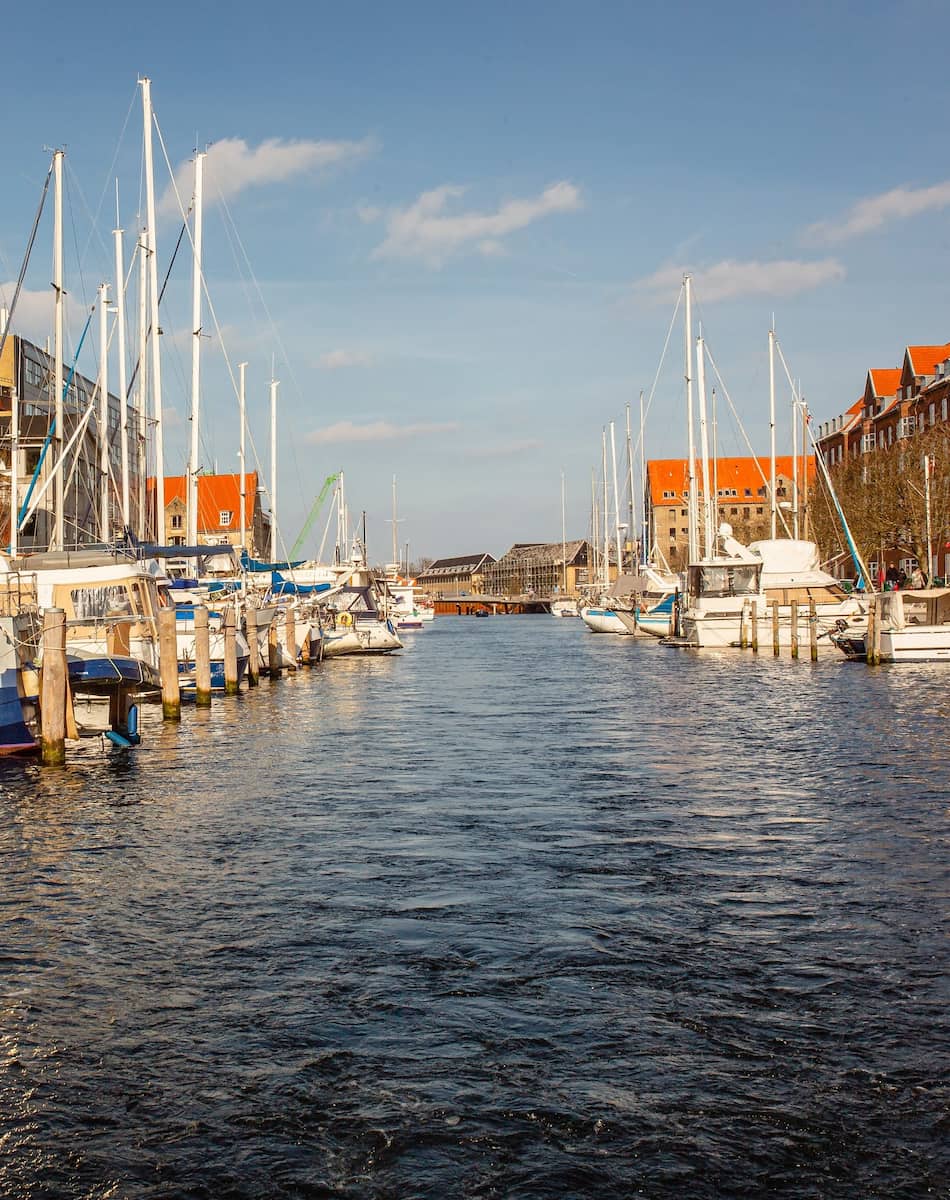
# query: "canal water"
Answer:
x=520 y=912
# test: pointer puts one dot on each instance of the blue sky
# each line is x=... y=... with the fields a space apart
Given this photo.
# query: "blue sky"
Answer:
x=467 y=225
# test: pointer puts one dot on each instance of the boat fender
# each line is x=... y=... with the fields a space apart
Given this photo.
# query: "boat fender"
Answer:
x=132 y=725
x=344 y=619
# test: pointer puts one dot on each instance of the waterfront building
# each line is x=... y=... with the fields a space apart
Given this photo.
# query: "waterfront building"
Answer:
x=455 y=576
x=27 y=370
x=742 y=492
x=543 y=568
x=901 y=409
x=219 y=512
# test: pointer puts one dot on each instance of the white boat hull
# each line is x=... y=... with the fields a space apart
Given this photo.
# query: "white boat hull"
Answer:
x=603 y=620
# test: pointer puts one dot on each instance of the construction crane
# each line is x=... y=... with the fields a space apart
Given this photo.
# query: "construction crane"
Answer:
x=312 y=515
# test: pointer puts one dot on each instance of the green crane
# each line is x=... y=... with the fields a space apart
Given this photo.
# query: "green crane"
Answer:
x=312 y=515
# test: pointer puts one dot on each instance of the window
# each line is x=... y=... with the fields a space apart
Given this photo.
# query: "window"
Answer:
x=669 y=495
x=758 y=512
x=890 y=435
x=867 y=442
x=943 y=409
x=733 y=512
x=748 y=491
x=906 y=427
x=176 y=524
x=225 y=516
x=932 y=413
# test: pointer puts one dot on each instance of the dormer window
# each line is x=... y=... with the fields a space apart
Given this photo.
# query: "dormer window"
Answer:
x=225 y=517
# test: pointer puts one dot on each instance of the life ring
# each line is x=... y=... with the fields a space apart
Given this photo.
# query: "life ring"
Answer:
x=344 y=618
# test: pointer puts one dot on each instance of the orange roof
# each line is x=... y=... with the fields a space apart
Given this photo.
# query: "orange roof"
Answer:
x=217 y=494
x=669 y=475
x=924 y=359
x=885 y=380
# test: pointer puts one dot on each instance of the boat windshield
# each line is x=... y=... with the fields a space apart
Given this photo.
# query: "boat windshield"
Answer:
x=739 y=579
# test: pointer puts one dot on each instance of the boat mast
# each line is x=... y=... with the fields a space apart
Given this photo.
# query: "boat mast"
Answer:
x=563 y=539
x=708 y=528
x=120 y=334
x=691 y=505
x=103 y=413
x=595 y=523
x=142 y=390
x=14 y=445
x=192 y=498
x=273 y=464
x=646 y=547
x=631 y=511
x=58 y=493
x=795 y=463
x=242 y=420
x=613 y=460
x=773 y=508
x=152 y=243
x=606 y=558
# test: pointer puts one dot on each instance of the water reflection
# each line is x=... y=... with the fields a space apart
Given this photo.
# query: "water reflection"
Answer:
x=521 y=911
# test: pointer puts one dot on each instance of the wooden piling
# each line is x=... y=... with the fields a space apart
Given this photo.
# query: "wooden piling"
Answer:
x=755 y=627
x=53 y=680
x=813 y=629
x=231 y=686
x=794 y=608
x=273 y=650
x=202 y=657
x=168 y=664
x=775 y=647
x=254 y=648
x=290 y=636
x=874 y=632
x=743 y=636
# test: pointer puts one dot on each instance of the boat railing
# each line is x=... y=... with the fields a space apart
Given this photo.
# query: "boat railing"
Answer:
x=17 y=593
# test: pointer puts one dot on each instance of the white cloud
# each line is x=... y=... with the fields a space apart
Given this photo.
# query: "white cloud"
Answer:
x=231 y=166
x=373 y=431
x=34 y=312
x=727 y=279
x=425 y=230
x=875 y=211
x=336 y=360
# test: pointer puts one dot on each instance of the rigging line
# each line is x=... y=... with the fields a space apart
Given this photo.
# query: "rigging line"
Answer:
x=213 y=313
x=745 y=437
x=26 y=259
x=115 y=155
x=666 y=346
x=275 y=333
x=72 y=223
x=138 y=361
x=74 y=178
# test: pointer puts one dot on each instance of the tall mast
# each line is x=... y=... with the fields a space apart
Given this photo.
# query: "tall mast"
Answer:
x=606 y=555
x=613 y=460
x=708 y=530
x=123 y=398
x=595 y=523
x=773 y=508
x=192 y=500
x=691 y=499
x=143 y=385
x=14 y=448
x=563 y=539
x=805 y=522
x=242 y=420
x=631 y=510
x=794 y=462
x=152 y=243
x=103 y=413
x=645 y=548
x=395 y=557
x=58 y=542
x=273 y=465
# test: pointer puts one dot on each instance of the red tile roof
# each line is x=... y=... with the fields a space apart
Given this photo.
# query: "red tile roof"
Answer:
x=216 y=494
x=885 y=380
x=669 y=475
x=924 y=359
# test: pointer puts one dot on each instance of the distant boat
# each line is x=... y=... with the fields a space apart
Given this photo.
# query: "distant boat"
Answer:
x=564 y=608
x=915 y=627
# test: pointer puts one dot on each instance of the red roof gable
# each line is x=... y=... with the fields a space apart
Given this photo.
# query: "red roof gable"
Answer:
x=217 y=494
x=669 y=475
x=923 y=359
x=885 y=380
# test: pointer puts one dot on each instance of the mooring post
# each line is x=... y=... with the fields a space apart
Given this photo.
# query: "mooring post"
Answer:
x=290 y=637
x=775 y=628
x=794 y=608
x=168 y=664
x=273 y=650
x=53 y=689
x=230 y=652
x=743 y=636
x=874 y=631
x=813 y=628
x=202 y=657
x=755 y=627
x=254 y=648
